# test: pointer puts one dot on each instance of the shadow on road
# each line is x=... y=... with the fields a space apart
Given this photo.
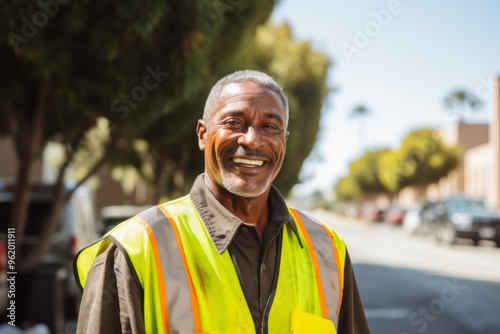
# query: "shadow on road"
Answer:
x=407 y=301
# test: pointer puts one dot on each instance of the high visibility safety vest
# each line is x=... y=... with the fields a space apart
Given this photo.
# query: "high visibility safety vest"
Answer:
x=190 y=288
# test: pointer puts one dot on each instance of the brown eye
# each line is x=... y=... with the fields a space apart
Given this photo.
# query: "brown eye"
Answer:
x=271 y=129
x=234 y=123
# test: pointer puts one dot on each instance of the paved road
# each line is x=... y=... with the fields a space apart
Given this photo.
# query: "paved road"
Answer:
x=410 y=285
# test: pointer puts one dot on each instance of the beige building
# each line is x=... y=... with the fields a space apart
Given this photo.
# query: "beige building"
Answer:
x=478 y=174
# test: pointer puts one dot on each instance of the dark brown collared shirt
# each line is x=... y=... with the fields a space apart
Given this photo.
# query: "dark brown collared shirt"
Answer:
x=113 y=299
x=253 y=258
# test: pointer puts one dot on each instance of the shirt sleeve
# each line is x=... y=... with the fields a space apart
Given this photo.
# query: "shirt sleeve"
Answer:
x=112 y=300
x=352 y=318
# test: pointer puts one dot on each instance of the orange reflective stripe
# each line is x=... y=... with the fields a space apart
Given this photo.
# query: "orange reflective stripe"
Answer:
x=336 y=251
x=194 y=299
x=317 y=274
x=159 y=273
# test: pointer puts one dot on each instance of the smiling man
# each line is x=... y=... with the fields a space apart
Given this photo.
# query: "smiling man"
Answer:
x=230 y=257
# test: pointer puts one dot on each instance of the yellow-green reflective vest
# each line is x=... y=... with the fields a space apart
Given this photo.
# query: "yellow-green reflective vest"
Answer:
x=190 y=288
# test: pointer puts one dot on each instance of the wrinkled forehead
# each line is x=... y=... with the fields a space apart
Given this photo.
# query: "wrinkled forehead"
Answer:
x=248 y=87
x=251 y=92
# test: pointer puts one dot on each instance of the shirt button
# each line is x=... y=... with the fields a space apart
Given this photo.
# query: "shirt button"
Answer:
x=263 y=267
x=243 y=229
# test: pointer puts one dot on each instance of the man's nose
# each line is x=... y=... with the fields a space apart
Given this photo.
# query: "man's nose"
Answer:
x=251 y=138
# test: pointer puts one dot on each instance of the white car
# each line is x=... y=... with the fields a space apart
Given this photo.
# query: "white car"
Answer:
x=114 y=214
x=412 y=223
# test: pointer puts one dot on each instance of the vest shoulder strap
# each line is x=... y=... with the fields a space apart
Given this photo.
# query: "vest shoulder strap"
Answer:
x=326 y=245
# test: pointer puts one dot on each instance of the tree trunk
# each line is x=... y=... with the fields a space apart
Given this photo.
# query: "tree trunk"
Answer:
x=27 y=136
x=161 y=177
x=20 y=204
x=60 y=198
x=49 y=226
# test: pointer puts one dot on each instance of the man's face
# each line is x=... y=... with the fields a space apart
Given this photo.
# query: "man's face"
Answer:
x=244 y=139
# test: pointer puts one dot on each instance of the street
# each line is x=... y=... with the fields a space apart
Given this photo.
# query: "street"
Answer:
x=411 y=285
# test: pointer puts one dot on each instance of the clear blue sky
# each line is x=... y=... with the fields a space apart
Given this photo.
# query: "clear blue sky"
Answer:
x=411 y=61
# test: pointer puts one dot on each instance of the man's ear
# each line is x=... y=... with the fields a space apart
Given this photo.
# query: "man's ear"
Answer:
x=201 y=132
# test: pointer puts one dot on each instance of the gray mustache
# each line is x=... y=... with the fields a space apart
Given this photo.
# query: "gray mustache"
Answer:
x=242 y=152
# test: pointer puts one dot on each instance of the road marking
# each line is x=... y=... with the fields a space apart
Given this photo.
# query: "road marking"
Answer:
x=387 y=313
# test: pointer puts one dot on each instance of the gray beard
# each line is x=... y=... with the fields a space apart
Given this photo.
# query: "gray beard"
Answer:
x=229 y=182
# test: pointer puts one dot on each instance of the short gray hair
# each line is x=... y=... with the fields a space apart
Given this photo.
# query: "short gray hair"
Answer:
x=258 y=77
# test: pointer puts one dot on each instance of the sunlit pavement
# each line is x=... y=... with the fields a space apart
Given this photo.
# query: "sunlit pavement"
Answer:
x=411 y=285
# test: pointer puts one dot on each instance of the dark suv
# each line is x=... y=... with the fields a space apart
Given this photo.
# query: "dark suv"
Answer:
x=461 y=217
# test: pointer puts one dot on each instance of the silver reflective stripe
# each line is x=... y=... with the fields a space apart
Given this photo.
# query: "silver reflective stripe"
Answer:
x=180 y=312
x=327 y=264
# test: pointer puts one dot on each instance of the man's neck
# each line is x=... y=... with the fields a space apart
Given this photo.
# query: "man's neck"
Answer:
x=251 y=210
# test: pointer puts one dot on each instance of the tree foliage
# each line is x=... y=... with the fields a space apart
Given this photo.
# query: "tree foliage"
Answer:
x=422 y=159
x=294 y=64
x=347 y=189
x=363 y=177
x=461 y=103
x=65 y=64
x=361 y=111
x=302 y=71
x=388 y=164
x=366 y=170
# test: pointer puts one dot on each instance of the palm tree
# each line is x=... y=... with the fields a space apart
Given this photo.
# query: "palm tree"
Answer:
x=461 y=103
x=361 y=112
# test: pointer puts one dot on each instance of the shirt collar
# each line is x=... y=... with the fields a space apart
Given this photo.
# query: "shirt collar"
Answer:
x=222 y=225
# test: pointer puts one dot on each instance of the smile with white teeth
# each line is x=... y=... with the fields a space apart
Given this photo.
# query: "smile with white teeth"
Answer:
x=248 y=162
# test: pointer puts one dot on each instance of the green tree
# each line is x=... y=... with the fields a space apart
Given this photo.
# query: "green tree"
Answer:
x=422 y=158
x=302 y=71
x=294 y=64
x=366 y=172
x=66 y=65
x=461 y=102
x=388 y=166
x=360 y=112
x=347 y=189
x=363 y=177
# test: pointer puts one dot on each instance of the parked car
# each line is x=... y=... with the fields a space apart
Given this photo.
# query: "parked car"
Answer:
x=427 y=214
x=49 y=292
x=461 y=217
x=395 y=215
x=115 y=214
x=412 y=223
x=377 y=215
